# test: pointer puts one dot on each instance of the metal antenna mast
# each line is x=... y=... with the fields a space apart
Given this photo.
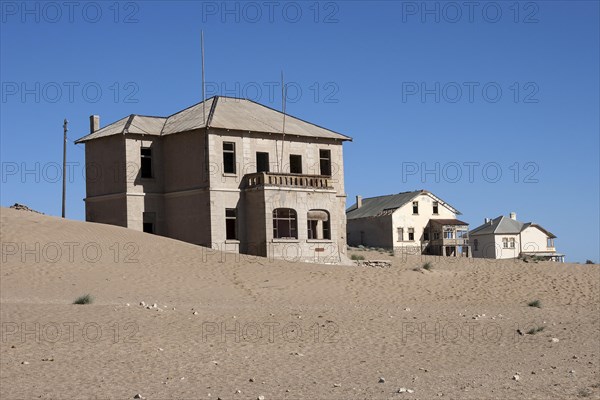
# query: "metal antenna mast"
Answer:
x=283 y=96
x=64 y=171
x=203 y=84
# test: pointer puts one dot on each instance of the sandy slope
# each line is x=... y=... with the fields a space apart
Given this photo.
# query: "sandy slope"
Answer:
x=298 y=330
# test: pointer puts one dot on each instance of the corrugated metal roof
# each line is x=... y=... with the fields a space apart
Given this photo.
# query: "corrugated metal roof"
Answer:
x=507 y=226
x=145 y=125
x=377 y=206
x=386 y=205
x=189 y=119
x=448 y=221
x=221 y=112
x=139 y=124
x=500 y=225
x=115 y=128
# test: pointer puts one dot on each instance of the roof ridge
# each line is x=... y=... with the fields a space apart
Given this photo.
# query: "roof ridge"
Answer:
x=394 y=194
x=128 y=123
x=149 y=116
x=193 y=105
x=299 y=119
x=211 y=112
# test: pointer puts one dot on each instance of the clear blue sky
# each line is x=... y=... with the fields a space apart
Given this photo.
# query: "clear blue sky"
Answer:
x=502 y=85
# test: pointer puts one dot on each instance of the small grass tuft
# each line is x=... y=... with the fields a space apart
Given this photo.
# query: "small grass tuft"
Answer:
x=428 y=266
x=85 y=299
x=584 y=393
x=357 y=257
x=535 y=303
x=533 y=331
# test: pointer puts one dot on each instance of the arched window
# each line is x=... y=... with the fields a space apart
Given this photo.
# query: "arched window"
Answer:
x=285 y=224
x=319 y=225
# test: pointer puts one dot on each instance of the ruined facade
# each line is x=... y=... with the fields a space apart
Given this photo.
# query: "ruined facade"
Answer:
x=223 y=174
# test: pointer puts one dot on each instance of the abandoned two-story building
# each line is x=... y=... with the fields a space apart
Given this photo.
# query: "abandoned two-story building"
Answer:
x=411 y=222
x=224 y=174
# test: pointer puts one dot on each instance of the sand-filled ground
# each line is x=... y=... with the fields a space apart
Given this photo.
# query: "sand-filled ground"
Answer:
x=240 y=327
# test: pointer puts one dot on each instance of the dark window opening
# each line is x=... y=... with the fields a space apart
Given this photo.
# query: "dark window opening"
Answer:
x=146 y=162
x=476 y=245
x=231 y=224
x=229 y=157
x=435 y=207
x=325 y=162
x=285 y=223
x=411 y=233
x=326 y=230
x=262 y=162
x=149 y=220
x=415 y=207
x=426 y=236
x=295 y=164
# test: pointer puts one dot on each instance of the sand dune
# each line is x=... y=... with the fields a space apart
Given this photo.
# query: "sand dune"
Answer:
x=282 y=330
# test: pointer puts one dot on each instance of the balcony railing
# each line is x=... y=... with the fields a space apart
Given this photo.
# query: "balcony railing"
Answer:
x=288 y=180
x=451 y=242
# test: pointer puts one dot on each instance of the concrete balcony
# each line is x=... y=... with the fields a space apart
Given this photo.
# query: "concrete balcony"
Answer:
x=300 y=181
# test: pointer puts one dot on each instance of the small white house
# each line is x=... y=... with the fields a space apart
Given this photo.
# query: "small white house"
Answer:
x=505 y=237
x=412 y=222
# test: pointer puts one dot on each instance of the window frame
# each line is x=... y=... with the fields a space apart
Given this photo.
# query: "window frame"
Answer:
x=400 y=233
x=258 y=164
x=411 y=234
x=316 y=231
x=436 y=208
x=415 y=207
x=225 y=161
x=146 y=158
x=291 y=219
x=326 y=160
x=296 y=163
x=228 y=219
x=149 y=218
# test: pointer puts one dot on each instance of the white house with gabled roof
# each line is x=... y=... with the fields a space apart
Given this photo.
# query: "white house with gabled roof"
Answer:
x=505 y=237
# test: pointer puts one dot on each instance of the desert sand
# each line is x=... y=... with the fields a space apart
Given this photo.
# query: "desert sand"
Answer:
x=240 y=327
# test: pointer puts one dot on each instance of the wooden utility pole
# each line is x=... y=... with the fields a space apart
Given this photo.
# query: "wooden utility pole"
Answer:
x=64 y=170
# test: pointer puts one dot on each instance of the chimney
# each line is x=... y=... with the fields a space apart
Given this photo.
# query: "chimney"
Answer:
x=513 y=216
x=358 y=201
x=487 y=220
x=94 y=123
